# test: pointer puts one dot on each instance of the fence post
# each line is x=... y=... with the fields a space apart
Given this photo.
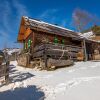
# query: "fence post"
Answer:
x=7 y=73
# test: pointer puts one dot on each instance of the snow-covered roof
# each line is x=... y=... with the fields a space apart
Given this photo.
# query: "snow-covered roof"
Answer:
x=50 y=28
x=89 y=36
x=42 y=26
x=46 y=24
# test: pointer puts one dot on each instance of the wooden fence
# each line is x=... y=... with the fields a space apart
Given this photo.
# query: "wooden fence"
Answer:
x=4 y=72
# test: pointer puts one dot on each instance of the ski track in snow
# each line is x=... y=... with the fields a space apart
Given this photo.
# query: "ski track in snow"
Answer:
x=62 y=87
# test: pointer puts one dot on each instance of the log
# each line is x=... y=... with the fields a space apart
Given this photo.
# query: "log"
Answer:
x=23 y=60
x=59 y=63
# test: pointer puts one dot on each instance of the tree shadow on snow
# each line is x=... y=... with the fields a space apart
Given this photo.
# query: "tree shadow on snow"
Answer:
x=29 y=93
x=17 y=75
x=11 y=66
x=21 y=76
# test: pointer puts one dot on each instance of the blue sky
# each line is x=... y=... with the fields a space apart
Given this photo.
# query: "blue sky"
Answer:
x=52 y=11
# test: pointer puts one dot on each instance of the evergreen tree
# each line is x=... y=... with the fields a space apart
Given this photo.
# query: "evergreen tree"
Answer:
x=96 y=29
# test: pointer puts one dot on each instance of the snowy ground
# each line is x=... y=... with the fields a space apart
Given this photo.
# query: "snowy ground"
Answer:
x=78 y=82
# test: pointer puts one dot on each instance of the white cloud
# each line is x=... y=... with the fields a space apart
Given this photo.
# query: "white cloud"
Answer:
x=9 y=20
x=5 y=14
x=21 y=9
x=51 y=15
x=48 y=13
x=4 y=34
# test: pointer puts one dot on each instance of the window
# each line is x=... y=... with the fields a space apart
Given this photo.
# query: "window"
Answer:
x=55 y=40
x=29 y=43
x=63 y=41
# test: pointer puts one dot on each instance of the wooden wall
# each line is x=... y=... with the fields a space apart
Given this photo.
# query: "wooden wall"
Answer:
x=42 y=37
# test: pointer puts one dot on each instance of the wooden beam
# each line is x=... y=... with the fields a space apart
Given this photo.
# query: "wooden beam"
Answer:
x=85 y=53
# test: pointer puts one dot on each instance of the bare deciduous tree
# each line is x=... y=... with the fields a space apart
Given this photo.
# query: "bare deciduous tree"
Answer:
x=82 y=19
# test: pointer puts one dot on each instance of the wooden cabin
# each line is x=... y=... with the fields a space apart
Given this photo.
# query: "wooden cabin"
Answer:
x=47 y=41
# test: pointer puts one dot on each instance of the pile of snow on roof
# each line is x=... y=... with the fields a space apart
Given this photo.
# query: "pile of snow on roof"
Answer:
x=88 y=34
